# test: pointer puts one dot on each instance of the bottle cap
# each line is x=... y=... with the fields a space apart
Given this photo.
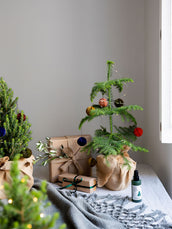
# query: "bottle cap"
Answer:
x=136 y=175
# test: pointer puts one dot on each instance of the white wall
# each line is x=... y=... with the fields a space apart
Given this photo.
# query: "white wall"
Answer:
x=52 y=51
x=160 y=155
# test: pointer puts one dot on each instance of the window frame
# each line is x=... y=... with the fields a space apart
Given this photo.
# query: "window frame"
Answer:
x=165 y=71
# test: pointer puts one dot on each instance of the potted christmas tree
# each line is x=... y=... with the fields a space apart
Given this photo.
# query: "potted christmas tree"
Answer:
x=14 y=136
x=25 y=209
x=114 y=166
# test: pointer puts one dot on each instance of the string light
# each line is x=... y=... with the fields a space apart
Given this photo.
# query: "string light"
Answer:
x=42 y=215
x=10 y=201
x=22 y=180
x=35 y=199
x=29 y=226
x=1 y=187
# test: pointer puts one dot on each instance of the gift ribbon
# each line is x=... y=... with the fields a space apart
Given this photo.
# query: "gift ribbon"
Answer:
x=71 y=159
x=75 y=183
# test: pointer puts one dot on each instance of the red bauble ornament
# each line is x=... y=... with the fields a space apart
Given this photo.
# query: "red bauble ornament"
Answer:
x=138 y=131
x=103 y=102
x=19 y=117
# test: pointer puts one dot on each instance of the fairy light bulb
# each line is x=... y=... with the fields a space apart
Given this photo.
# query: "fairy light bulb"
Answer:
x=42 y=215
x=10 y=201
x=23 y=180
x=35 y=199
x=1 y=187
x=29 y=226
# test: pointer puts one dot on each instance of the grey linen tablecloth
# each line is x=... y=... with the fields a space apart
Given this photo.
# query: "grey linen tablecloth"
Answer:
x=76 y=212
x=91 y=211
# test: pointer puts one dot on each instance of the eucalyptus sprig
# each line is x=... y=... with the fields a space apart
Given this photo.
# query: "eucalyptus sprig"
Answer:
x=48 y=154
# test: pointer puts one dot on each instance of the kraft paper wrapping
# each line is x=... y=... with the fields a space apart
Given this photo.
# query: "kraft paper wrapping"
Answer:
x=25 y=166
x=77 y=161
x=114 y=175
x=81 y=183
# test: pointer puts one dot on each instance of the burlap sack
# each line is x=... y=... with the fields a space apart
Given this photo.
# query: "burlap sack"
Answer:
x=112 y=173
x=25 y=166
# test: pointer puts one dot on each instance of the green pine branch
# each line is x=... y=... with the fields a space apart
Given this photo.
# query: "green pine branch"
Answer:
x=103 y=145
x=87 y=118
x=6 y=99
x=101 y=132
x=109 y=92
x=127 y=132
x=104 y=86
x=110 y=145
x=124 y=141
x=106 y=111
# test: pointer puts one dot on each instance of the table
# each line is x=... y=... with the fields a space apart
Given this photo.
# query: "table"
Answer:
x=154 y=197
x=154 y=194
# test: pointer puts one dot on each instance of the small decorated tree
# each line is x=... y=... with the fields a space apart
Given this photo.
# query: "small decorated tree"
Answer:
x=24 y=209
x=113 y=143
x=109 y=142
x=14 y=126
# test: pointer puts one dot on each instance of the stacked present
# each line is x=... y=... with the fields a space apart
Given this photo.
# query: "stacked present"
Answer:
x=70 y=160
x=77 y=182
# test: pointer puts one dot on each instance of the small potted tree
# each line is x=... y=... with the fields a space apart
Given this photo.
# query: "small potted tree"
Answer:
x=114 y=166
x=15 y=135
x=25 y=209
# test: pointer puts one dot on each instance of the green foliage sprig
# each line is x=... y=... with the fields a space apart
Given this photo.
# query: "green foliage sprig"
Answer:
x=104 y=86
x=111 y=144
x=106 y=111
x=48 y=154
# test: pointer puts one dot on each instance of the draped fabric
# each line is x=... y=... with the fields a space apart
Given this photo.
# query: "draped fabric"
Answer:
x=83 y=211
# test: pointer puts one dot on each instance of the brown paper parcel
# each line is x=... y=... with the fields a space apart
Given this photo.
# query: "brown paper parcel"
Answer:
x=25 y=166
x=86 y=184
x=77 y=161
x=114 y=175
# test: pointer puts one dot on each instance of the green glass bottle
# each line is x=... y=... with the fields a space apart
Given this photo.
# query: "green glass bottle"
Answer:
x=136 y=188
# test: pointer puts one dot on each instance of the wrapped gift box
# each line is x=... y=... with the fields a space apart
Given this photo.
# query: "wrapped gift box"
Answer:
x=79 y=183
x=76 y=162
